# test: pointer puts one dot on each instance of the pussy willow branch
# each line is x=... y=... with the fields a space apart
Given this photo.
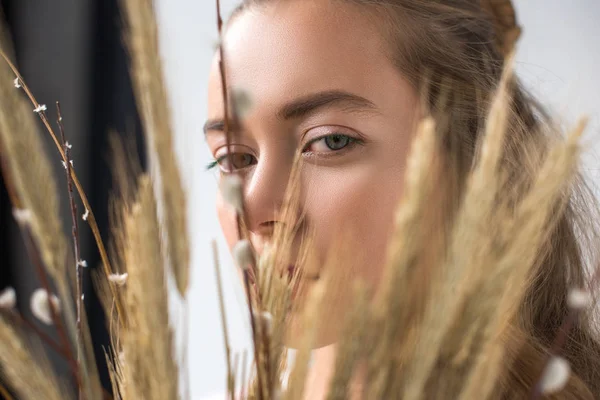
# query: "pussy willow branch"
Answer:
x=19 y=319
x=58 y=322
x=91 y=218
x=561 y=338
x=555 y=350
x=238 y=217
x=74 y=234
x=42 y=274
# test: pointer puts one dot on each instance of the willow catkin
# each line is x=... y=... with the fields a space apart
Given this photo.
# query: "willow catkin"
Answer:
x=148 y=80
x=30 y=174
x=149 y=368
x=30 y=377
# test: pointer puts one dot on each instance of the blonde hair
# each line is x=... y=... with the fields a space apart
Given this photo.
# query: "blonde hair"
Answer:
x=450 y=48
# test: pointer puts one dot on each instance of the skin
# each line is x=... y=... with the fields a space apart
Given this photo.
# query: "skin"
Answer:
x=283 y=55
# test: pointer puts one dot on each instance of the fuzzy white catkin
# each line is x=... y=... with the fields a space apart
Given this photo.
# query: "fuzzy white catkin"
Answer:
x=118 y=279
x=8 y=298
x=40 y=305
x=242 y=102
x=242 y=254
x=40 y=108
x=266 y=320
x=22 y=216
x=231 y=190
x=556 y=375
x=578 y=299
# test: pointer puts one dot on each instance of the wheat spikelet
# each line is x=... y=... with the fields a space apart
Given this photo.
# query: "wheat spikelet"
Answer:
x=351 y=346
x=275 y=297
x=533 y=223
x=398 y=290
x=470 y=243
x=310 y=320
x=148 y=80
x=31 y=377
x=31 y=176
x=149 y=369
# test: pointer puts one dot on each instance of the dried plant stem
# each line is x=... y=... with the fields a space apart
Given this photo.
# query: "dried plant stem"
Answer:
x=225 y=95
x=149 y=369
x=311 y=314
x=259 y=380
x=223 y=319
x=74 y=235
x=236 y=364
x=349 y=349
x=253 y=273
x=153 y=104
x=184 y=362
x=243 y=386
x=91 y=218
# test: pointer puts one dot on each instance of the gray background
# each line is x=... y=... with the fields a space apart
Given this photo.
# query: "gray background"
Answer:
x=558 y=57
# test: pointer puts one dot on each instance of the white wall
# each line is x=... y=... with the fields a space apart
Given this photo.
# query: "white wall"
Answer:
x=558 y=57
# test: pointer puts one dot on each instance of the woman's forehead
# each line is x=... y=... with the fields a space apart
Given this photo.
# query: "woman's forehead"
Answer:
x=288 y=49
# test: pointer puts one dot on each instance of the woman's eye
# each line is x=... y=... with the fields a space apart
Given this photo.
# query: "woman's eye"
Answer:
x=233 y=162
x=329 y=143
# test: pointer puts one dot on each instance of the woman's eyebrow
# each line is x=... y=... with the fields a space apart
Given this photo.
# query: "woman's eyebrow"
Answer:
x=308 y=104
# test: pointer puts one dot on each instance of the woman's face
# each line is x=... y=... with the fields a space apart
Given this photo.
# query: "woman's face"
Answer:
x=318 y=78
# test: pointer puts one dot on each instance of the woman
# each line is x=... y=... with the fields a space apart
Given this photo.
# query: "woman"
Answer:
x=341 y=80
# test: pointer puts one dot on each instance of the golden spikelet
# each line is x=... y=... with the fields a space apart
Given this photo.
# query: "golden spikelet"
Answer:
x=151 y=95
x=310 y=318
x=533 y=223
x=149 y=369
x=29 y=171
x=392 y=315
x=470 y=243
x=30 y=377
x=351 y=346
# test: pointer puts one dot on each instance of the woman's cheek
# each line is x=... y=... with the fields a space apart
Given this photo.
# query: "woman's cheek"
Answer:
x=358 y=203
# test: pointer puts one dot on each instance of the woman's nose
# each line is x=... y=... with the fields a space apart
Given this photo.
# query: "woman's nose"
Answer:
x=264 y=197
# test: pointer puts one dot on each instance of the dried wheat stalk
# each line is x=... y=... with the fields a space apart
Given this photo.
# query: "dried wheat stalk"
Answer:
x=151 y=94
x=149 y=370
